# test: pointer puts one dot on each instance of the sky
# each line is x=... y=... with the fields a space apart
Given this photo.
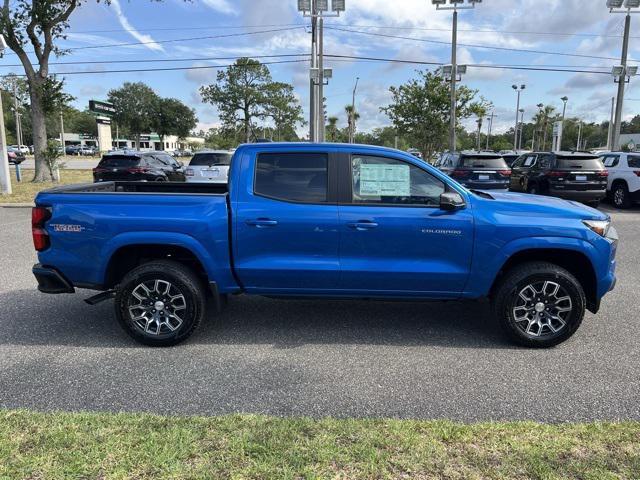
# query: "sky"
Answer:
x=564 y=34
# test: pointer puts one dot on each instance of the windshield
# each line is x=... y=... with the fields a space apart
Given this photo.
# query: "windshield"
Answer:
x=484 y=162
x=119 y=161
x=580 y=162
x=208 y=159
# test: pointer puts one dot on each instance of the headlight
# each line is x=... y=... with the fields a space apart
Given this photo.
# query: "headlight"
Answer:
x=601 y=227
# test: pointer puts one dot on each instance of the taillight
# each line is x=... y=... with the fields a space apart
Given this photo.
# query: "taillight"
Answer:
x=603 y=173
x=637 y=172
x=99 y=170
x=137 y=170
x=555 y=173
x=460 y=173
x=39 y=216
x=505 y=173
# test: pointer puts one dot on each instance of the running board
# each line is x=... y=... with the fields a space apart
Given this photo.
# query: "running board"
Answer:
x=101 y=297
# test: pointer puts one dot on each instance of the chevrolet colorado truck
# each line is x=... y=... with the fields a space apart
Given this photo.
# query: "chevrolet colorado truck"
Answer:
x=324 y=221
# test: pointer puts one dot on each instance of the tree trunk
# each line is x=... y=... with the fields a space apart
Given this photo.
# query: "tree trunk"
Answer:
x=39 y=126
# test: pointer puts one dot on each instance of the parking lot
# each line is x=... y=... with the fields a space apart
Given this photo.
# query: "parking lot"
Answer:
x=316 y=358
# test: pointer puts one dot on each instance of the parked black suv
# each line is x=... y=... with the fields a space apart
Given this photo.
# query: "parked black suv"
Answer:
x=577 y=176
x=139 y=166
x=476 y=170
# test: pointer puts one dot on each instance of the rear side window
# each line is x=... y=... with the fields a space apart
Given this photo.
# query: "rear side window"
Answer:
x=610 y=160
x=634 y=161
x=210 y=159
x=293 y=177
x=119 y=161
x=580 y=163
x=484 y=162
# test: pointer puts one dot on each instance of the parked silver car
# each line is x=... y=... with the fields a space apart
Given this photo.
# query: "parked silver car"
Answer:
x=209 y=166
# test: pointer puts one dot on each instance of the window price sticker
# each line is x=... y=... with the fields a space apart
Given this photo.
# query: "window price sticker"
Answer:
x=385 y=180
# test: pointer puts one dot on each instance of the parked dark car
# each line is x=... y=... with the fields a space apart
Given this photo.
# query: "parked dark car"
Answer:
x=577 y=176
x=139 y=166
x=510 y=158
x=476 y=170
x=15 y=156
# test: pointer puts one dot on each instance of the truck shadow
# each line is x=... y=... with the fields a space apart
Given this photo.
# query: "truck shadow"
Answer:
x=30 y=318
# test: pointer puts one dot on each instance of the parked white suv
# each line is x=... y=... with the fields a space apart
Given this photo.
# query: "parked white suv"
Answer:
x=209 y=166
x=623 y=186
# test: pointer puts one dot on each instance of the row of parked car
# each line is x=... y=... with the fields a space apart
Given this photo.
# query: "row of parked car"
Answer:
x=580 y=176
x=208 y=166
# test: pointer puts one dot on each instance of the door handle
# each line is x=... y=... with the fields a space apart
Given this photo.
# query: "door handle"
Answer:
x=362 y=225
x=262 y=223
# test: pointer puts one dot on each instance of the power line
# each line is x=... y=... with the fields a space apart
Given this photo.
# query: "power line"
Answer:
x=174 y=40
x=439 y=42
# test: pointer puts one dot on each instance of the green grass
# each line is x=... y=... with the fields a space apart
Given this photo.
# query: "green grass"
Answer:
x=136 y=446
x=25 y=191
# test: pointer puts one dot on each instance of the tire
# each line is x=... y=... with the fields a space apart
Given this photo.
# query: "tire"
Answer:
x=594 y=204
x=620 y=195
x=533 y=189
x=155 y=314
x=160 y=179
x=546 y=320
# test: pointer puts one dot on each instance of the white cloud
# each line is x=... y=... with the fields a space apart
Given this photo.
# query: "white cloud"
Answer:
x=222 y=6
x=124 y=21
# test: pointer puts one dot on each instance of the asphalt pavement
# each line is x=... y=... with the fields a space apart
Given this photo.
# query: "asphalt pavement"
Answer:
x=71 y=162
x=316 y=358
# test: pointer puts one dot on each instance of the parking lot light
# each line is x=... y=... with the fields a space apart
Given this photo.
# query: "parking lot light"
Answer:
x=614 y=3
x=632 y=4
x=632 y=71
x=338 y=6
x=304 y=6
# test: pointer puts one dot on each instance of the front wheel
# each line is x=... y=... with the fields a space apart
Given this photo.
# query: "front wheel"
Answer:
x=160 y=303
x=539 y=304
x=621 y=198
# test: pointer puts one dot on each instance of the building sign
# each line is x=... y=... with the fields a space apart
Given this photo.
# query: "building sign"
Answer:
x=102 y=108
x=103 y=121
x=86 y=136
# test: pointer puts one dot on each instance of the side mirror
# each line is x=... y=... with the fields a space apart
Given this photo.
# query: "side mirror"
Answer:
x=450 y=201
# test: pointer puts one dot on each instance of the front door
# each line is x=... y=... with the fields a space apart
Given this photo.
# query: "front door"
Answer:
x=287 y=224
x=394 y=238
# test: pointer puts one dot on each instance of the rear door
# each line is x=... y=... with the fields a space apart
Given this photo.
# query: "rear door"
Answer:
x=520 y=171
x=394 y=238
x=286 y=223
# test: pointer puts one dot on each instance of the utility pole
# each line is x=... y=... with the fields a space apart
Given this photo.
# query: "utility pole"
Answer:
x=454 y=77
x=620 y=101
x=521 y=128
x=564 y=99
x=313 y=131
x=579 y=135
x=64 y=151
x=320 y=104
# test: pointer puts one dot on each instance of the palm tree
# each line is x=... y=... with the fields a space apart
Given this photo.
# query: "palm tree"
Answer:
x=332 y=129
x=352 y=118
x=480 y=110
x=542 y=118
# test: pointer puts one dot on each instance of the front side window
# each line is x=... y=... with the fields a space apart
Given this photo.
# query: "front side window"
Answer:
x=530 y=161
x=379 y=180
x=294 y=177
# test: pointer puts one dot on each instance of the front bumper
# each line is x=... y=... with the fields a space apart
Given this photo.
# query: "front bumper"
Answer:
x=51 y=280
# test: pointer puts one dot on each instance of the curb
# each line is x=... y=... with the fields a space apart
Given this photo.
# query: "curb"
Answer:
x=16 y=205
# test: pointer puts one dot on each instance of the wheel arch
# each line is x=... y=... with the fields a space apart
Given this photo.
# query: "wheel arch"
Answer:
x=575 y=262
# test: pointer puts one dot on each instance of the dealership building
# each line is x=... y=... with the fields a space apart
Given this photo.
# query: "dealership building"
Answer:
x=148 y=141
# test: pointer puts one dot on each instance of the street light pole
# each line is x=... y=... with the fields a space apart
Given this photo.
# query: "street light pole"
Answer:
x=352 y=113
x=515 y=134
x=455 y=5
x=489 y=127
x=564 y=99
x=611 y=120
x=521 y=128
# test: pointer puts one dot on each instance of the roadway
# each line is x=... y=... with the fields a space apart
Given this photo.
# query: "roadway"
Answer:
x=316 y=358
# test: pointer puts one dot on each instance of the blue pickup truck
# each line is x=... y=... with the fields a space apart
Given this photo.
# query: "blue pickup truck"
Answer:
x=325 y=221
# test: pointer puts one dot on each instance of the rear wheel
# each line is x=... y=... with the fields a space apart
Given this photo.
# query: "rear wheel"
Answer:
x=160 y=303
x=539 y=304
x=533 y=189
x=620 y=196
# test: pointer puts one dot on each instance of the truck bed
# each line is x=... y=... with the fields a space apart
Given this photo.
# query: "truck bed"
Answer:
x=176 y=188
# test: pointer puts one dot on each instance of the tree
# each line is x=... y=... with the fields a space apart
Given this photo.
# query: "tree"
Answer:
x=421 y=110
x=352 y=118
x=332 y=129
x=172 y=117
x=480 y=110
x=134 y=104
x=282 y=106
x=39 y=24
x=240 y=93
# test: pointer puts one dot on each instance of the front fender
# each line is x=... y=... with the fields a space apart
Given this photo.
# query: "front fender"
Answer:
x=485 y=269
